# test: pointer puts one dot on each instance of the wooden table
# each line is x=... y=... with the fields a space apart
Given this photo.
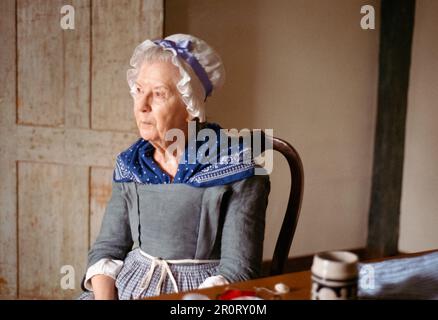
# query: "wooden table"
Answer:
x=298 y=282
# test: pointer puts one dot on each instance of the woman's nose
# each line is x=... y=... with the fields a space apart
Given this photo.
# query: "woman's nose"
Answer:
x=144 y=105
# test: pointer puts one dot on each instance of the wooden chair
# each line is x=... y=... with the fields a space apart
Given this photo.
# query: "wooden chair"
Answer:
x=290 y=220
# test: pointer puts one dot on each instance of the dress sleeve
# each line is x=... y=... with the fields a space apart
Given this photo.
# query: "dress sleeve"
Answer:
x=213 y=281
x=108 y=267
x=114 y=240
x=243 y=229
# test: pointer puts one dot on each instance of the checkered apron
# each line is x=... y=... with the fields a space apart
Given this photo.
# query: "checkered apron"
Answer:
x=143 y=276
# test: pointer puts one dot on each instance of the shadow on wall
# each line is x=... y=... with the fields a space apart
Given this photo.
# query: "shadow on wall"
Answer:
x=228 y=40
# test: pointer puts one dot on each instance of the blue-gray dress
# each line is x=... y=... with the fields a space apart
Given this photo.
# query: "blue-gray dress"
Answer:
x=192 y=219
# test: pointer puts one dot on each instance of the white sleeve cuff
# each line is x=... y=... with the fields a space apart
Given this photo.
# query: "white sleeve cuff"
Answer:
x=213 y=281
x=108 y=267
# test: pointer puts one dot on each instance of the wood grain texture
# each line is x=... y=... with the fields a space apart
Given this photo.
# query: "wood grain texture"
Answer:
x=100 y=193
x=40 y=63
x=76 y=93
x=72 y=146
x=50 y=157
x=8 y=196
x=394 y=64
x=52 y=227
x=132 y=22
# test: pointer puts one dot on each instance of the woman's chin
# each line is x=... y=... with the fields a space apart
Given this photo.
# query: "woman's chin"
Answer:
x=147 y=134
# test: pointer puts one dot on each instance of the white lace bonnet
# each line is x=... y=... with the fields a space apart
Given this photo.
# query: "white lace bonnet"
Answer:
x=201 y=69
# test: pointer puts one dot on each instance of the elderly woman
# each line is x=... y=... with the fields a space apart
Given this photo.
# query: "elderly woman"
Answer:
x=172 y=224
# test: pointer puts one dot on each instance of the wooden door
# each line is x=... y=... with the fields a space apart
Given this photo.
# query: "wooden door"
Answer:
x=65 y=114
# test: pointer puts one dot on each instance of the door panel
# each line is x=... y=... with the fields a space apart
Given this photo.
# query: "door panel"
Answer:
x=65 y=114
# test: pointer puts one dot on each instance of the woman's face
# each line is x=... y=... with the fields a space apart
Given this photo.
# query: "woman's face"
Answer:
x=158 y=106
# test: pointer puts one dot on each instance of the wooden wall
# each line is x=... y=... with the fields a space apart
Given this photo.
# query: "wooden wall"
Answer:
x=65 y=113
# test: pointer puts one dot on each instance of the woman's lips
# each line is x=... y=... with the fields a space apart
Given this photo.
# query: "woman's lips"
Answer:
x=145 y=123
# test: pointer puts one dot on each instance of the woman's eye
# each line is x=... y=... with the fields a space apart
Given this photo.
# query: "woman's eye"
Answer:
x=159 y=94
x=135 y=91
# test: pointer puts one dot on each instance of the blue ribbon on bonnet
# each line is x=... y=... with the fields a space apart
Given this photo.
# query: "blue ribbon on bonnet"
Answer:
x=182 y=49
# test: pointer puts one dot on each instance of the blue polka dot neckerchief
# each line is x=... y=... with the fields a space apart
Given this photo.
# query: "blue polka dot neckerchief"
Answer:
x=136 y=164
